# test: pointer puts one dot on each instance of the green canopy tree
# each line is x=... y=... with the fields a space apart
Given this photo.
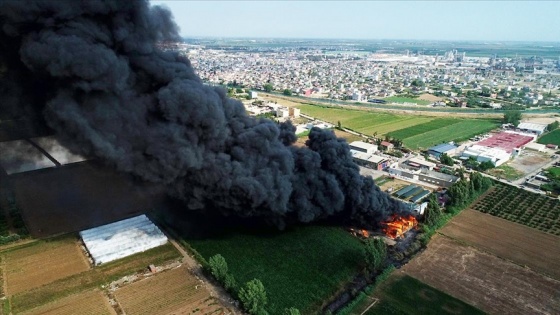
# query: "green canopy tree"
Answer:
x=433 y=211
x=375 y=253
x=253 y=297
x=446 y=159
x=218 y=267
x=512 y=117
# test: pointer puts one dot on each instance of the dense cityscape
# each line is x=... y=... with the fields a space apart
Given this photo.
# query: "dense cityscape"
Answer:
x=461 y=80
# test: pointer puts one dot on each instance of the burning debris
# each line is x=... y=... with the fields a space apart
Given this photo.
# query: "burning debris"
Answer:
x=93 y=71
x=398 y=225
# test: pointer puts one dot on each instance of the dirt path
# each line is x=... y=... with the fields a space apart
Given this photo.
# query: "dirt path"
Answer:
x=215 y=290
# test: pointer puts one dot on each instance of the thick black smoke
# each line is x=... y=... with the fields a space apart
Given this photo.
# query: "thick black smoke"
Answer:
x=92 y=69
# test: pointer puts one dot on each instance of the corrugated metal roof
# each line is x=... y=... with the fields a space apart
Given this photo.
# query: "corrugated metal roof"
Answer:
x=123 y=238
x=442 y=148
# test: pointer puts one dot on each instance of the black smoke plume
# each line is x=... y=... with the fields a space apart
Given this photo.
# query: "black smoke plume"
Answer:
x=93 y=71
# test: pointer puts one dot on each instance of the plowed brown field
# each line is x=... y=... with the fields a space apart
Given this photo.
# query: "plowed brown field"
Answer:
x=85 y=303
x=170 y=292
x=485 y=281
x=41 y=263
x=512 y=241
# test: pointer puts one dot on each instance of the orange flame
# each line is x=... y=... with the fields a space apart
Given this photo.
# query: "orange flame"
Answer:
x=397 y=226
x=365 y=233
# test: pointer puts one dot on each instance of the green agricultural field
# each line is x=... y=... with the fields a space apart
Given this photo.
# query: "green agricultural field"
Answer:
x=552 y=137
x=422 y=128
x=460 y=131
x=299 y=268
x=407 y=296
x=415 y=131
x=523 y=207
x=401 y=99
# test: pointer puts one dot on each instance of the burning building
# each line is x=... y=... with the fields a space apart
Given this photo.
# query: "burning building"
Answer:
x=398 y=225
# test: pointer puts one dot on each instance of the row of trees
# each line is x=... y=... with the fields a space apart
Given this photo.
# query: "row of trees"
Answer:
x=463 y=191
x=252 y=294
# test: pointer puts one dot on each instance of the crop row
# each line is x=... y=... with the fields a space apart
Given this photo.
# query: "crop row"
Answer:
x=454 y=132
x=522 y=207
x=422 y=128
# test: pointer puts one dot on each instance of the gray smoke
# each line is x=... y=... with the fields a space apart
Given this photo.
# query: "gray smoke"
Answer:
x=93 y=70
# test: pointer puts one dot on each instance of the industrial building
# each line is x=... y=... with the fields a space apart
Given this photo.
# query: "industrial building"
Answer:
x=537 y=129
x=363 y=147
x=370 y=160
x=121 y=239
x=444 y=148
x=498 y=148
x=483 y=154
x=416 y=163
x=422 y=174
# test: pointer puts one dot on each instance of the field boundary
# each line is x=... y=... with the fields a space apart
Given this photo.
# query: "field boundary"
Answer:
x=370 y=306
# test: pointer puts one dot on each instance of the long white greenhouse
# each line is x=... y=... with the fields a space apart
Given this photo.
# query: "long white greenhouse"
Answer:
x=123 y=238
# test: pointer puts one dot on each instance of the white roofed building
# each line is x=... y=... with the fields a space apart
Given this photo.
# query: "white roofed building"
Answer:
x=121 y=239
x=482 y=154
x=363 y=147
x=539 y=129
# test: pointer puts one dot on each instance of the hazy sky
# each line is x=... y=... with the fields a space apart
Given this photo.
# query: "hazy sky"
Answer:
x=440 y=20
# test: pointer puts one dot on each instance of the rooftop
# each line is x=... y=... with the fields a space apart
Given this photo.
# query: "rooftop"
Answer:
x=442 y=148
x=506 y=141
x=363 y=145
x=532 y=126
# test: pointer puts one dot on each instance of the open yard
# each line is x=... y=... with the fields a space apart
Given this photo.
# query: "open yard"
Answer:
x=301 y=267
x=402 y=294
x=415 y=131
x=520 y=206
x=74 y=283
x=552 y=137
x=528 y=161
x=485 y=281
x=175 y=291
x=86 y=303
x=402 y=99
x=42 y=262
x=515 y=242
x=505 y=171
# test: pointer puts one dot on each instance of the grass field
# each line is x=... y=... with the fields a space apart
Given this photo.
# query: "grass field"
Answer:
x=401 y=99
x=415 y=131
x=299 y=268
x=402 y=294
x=446 y=130
x=86 y=303
x=552 y=137
x=520 y=206
x=174 y=291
